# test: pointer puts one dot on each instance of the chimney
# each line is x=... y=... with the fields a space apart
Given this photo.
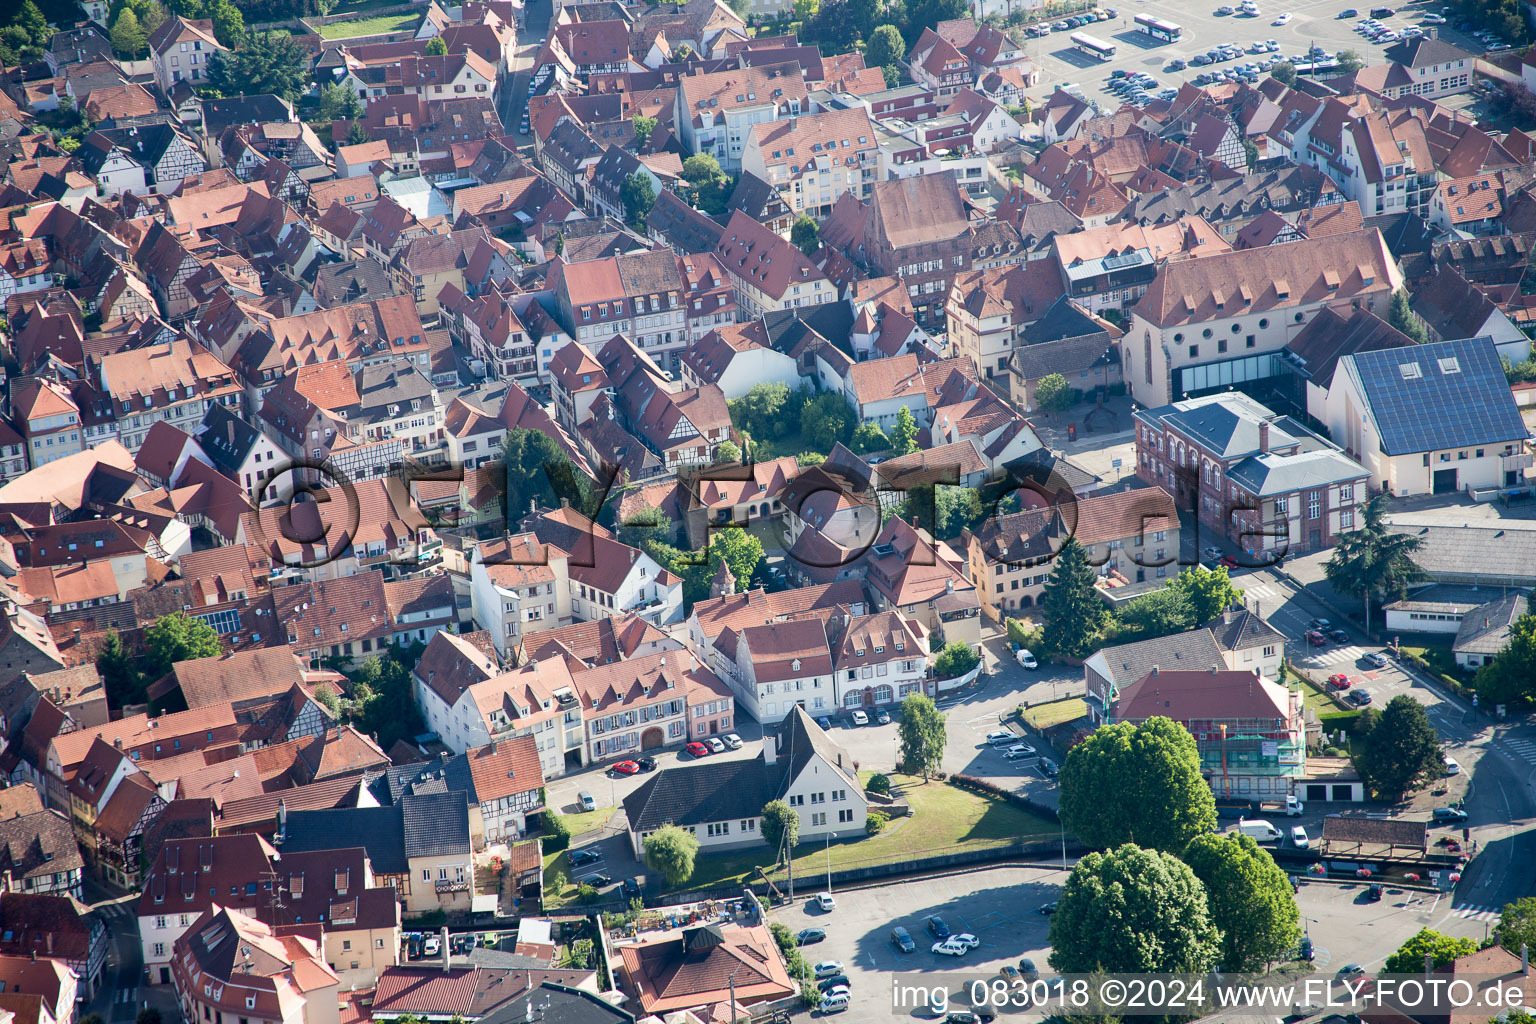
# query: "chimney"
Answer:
x=1263 y=437
x=770 y=748
x=1154 y=670
x=444 y=934
x=1429 y=963
x=1525 y=959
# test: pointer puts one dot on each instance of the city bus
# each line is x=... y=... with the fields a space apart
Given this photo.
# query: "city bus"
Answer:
x=1157 y=28
x=1094 y=47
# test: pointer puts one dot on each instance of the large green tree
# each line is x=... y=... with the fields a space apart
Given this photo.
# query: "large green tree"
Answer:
x=1053 y=395
x=805 y=236
x=1510 y=678
x=1160 y=613
x=177 y=637
x=119 y=675
x=763 y=412
x=638 y=196
x=780 y=826
x=1517 y=925
x=1402 y=750
x=904 y=433
x=741 y=550
x=884 y=47
x=539 y=472
x=1074 y=612
x=1210 y=591
x=382 y=703
x=127 y=34
x=337 y=101
x=1373 y=561
x=1441 y=950
x=670 y=851
x=1250 y=898
x=1133 y=911
x=1400 y=315
x=264 y=63
x=922 y=734
x=643 y=126
x=868 y=438
x=827 y=420
x=1136 y=783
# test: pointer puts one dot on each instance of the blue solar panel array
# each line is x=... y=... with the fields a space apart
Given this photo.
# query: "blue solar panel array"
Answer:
x=1436 y=410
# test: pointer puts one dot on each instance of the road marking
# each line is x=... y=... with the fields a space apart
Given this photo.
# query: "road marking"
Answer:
x=1525 y=749
x=1477 y=911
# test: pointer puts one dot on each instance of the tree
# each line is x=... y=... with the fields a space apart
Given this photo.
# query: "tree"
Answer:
x=1023 y=635
x=682 y=53
x=127 y=35
x=265 y=63
x=1136 y=782
x=956 y=659
x=781 y=826
x=357 y=134
x=726 y=451
x=869 y=438
x=638 y=196
x=904 y=433
x=921 y=14
x=1284 y=73
x=1349 y=62
x=1510 y=678
x=1400 y=315
x=326 y=698
x=884 y=47
x=1074 y=612
x=942 y=509
x=1250 y=153
x=539 y=472
x=1133 y=911
x=805 y=235
x=923 y=735
x=30 y=17
x=178 y=637
x=700 y=169
x=737 y=548
x=892 y=75
x=338 y=102
x=437 y=46
x=805 y=10
x=1372 y=561
x=228 y=22
x=1440 y=949
x=1517 y=925
x=761 y=412
x=805 y=460
x=637 y=527
x=1160 y=613
x=1402 y=753
x=1053 y=394
x=1210 y=591
x=1250 y=899
x=643 y=127
x=123 y=682
x=827 y=420
x=671 y=851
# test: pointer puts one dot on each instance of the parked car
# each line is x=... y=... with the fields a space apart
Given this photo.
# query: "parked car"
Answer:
x=1009 y=973
x=1338 y=636
x=827 y=968
x=432 y=946
x=966 y=939
x=1348 y=12
x=1351 y=971
x=1321 y=625
x=597 y=881
x=1224 y=9
x=585 y=799
x=1021 y=749
x=1050 y=769
x=1357 y=698
x=1451 y=767
x=716 y=745
x=647 y=763
x=1177 y=65
x=697 y=749
x=835 y=981
x=1228 y=560
x=733 y=741
x=902 y=939
x=1433 y=19
x=1027 y=968
x=625 y=768
x=1048 y=908
x=997 y=736
x=1316 y=638
x=633 y=888
x=860 y=718
x=1299 y=837
x=825 y=901
x=580 y=857
x=824 y=722
x=1373 y=894
x=1338 y=682
x=936 y=927
x=882 y=718
x=810 y=936
x=1027 y=659
x=1376 y=659
x=1448 y=815
x=949 y=947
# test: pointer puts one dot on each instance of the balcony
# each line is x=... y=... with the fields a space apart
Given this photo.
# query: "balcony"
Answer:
x=444 y=885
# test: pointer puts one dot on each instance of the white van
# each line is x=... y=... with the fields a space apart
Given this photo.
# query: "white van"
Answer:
x=837 y=1002
x=1259 y=830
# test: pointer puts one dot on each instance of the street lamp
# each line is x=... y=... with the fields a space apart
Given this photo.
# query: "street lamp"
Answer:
x=829 y=863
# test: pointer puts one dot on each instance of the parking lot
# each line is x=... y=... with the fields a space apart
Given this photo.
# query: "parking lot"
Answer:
x=1310 y=23
x=1000 y=906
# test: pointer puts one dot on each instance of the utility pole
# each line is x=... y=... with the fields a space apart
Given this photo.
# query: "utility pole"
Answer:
x=789 y=859
x=732 y=980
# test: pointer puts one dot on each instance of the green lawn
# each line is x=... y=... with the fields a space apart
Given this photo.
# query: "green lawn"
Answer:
x=1058 y=712
x=370 y=26
x=944 y=818
x=586 y=821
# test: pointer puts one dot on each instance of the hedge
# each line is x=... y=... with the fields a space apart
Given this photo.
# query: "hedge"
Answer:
x=557 y=835
x=976 y=785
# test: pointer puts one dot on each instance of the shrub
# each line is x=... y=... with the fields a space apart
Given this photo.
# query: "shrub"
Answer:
x=874 y=823
x=992 y=789
x=557 y=834
x=586 y=893
x=879 y=784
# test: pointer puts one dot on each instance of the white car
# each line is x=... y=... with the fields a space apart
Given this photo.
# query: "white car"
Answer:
x=431 y=947
x=716 y=745
x=1433 y=19
x=949 y=947
x=733 y=741
x=1027 y=659
x=965 y=939
x=1272 y=46
x=860 y=718
x=1299 y=837
x=1284 y=19
x=825 y=901
x=1451 y=767
x=1021 y=748
x=827 y=968
x=1000 y=736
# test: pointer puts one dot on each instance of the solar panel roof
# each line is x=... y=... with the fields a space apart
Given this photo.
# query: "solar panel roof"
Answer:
x=1426 y=398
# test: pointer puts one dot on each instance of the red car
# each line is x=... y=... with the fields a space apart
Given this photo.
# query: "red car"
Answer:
x=697 y=749
x=626 y=768
x=1316 y=638
x=1339 y=682
x=1229 y=561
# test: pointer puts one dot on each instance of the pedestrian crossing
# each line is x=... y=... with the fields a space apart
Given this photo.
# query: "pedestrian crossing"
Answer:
x=114 y=911
x=1524 y=749
x=1263 y=593
x=1476 y=911
x=1337 y=656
